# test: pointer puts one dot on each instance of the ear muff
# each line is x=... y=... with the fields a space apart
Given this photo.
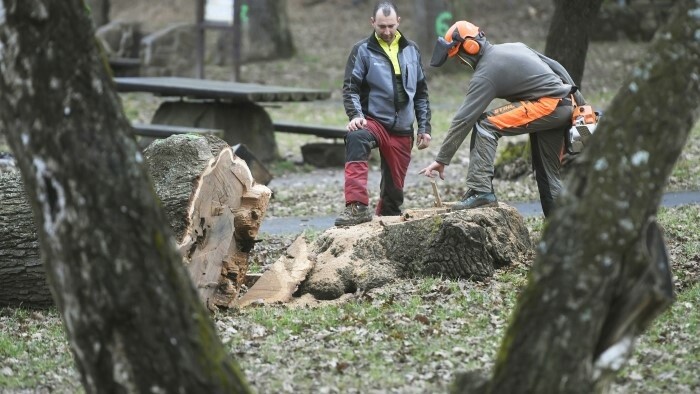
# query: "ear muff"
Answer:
x=471 y=47
x=463 y=32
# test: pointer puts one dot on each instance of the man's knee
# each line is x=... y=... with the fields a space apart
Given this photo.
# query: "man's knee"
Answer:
x=358 y=145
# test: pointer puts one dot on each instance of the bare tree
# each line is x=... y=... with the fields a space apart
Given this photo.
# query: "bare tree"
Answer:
x=131 y=313
x=430 y=20
x=569 y=34
x=601 y=274
x=99 y=11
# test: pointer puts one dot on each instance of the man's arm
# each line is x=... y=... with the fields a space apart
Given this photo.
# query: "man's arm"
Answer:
x=355 y=71
x=421 y=101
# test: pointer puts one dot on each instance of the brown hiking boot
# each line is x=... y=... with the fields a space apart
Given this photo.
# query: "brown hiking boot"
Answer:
x=355 y=213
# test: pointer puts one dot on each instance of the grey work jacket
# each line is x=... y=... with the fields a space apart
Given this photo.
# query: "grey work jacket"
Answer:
x=369 y=88
x=513 y=72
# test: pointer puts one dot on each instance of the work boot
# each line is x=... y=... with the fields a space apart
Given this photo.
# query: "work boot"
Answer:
x=473 y=199
x=355 y=213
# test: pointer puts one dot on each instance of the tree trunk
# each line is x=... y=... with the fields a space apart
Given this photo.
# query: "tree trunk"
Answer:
x=569 y=34
x=132 y=317
x=431 y=19
x=602 y=272
x=265 y=34
x=99 y=11
x=22 y=277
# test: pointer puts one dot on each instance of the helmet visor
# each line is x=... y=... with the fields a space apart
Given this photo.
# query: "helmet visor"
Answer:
x=442 y=51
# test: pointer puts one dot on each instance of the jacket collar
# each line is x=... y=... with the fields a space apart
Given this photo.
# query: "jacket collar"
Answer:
x=374 y=43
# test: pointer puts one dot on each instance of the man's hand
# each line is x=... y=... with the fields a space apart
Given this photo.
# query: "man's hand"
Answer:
x=423 y=140
x=434 y=166
x=356 y=124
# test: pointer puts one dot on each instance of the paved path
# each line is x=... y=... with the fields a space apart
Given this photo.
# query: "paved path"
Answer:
x=291 y=225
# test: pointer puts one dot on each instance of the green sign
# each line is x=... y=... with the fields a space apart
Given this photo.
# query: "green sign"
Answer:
x=443 y=23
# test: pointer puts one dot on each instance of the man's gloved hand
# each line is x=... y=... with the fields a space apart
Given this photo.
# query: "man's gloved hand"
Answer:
x=423 y=140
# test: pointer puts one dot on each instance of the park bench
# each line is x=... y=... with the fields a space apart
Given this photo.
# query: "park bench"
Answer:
x=234 y=107
x=125 y=66
x=318 y=154
x=165 y=131
x=317 y=130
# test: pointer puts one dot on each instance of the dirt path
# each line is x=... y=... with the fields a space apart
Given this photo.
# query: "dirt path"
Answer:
x=291 y=225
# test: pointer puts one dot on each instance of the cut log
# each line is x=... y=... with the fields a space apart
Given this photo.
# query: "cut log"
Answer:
x=211 y=201
x=462 y=244
x=22 y=277
x=215 y=208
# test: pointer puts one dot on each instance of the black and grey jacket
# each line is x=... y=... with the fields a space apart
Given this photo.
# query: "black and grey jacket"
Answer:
x=369 y=88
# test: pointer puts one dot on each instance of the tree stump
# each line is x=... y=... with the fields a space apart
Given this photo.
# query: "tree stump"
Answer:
x=462 y=244
x=212 y=203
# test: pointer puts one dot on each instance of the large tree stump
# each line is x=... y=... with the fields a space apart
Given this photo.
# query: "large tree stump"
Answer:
x=211 y=201
x=462 y=244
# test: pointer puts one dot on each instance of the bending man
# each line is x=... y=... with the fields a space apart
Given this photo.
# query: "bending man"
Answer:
x=539 y=90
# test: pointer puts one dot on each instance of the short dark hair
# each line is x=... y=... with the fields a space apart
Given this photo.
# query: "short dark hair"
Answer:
x=386 y=7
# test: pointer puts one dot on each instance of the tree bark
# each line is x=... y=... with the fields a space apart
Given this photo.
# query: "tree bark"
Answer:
x=569 y=34
x=601 y=274
x=132 y=317
x=22 y=277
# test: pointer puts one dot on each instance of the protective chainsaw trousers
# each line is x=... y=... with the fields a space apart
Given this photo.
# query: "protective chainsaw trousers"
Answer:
x=546 y=120
x=395 y=153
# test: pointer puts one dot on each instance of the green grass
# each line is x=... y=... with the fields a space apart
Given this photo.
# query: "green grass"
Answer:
x=32 y=346
x=421 y=331
x=686 y=172
x=670 y=349
x=379 y=333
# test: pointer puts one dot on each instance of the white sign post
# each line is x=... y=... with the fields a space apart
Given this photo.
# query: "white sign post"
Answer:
x=218 y=14
x=220 y=11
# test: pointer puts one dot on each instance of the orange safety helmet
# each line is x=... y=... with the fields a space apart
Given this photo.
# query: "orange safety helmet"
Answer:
x=461 y=34
x=464 y=32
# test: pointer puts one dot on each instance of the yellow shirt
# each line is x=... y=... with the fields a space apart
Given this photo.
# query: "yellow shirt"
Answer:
x=392 y=50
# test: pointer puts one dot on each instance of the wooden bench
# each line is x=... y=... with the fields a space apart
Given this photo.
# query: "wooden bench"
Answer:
x=125 y=66
x=165 y=131
x=318 y=154
x=320 y=131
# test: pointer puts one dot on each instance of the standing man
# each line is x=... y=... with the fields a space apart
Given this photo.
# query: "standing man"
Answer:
x=384 y=92
x=540 y=93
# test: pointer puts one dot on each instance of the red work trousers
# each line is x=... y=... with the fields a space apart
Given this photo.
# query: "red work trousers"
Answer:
x=395 y=152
